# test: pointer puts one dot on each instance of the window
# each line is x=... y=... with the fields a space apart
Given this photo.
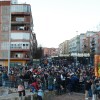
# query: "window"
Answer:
x=6 y=10
x=4 y=54
x=4 y=46
x=23 y=44
x=18 y=19
x=5 y=27
x=20 y=8
x=5 y=19
x=11 y=45
x=20 y=36
x=5 y=37
x=26 y=44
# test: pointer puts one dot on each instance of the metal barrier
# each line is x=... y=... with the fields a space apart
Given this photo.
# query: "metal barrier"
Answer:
x=10 y=84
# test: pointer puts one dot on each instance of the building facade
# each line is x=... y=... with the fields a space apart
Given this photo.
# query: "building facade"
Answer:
x=82 y=37
x=95 y=43
x=50 y=52
x=5 y=21
x=74 y=44
x=22 y=39
x=86 y=45
x=64 y=48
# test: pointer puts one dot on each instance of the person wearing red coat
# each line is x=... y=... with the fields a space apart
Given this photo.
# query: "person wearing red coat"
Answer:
x=34 y=86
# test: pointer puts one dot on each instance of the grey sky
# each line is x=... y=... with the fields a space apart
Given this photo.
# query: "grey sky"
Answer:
x=58 y=20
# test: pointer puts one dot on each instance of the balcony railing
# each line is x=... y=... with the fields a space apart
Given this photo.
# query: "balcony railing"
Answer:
x=20 y=28
x=24 y=57
x=21 y=50
x=21 y=22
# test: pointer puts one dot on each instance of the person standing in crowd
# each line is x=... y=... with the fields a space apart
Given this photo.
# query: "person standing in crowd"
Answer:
x=21 y=91
x=4 y=78
x=40 y=93
x=96 y=92
x=68 y=83
x=58 y=83
x=87 y=88
x=50 y=81
x=34 y=87
x=63 y=81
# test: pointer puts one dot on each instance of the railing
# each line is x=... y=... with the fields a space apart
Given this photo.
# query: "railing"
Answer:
x=9 y=84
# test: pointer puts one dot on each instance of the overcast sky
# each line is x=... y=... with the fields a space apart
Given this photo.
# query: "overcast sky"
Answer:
x=58 y=20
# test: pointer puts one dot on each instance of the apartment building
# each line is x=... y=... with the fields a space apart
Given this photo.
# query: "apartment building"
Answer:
x=4 y=31
x=64 y=47
x=95 y=43
x=82 y=37
x=86 y=45
x=50 y=51
x=74 y=44
x=18 y=30
x=90 y=33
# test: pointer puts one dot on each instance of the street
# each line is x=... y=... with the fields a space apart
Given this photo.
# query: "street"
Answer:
x=74 y=96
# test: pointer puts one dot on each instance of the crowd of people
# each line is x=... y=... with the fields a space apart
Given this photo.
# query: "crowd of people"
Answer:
x=59 y=78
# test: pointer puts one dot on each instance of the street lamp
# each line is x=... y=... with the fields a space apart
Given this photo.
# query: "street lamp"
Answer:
x=9 y=49
x=76 y=47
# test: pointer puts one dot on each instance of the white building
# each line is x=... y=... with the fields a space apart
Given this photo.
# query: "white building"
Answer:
x=90 y=33
x=76 y=44
x=64 y=47
x=14 y=1
x=82 y=37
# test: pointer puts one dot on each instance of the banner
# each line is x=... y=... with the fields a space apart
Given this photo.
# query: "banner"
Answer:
x=97 y=65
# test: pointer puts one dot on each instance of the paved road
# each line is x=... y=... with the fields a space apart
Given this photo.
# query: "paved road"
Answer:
x=74 y=96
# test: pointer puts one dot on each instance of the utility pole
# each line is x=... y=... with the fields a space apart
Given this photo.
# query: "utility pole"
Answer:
x=9 y=49
x=76 y=47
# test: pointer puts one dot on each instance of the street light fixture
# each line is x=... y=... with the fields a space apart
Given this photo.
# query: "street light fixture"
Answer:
x=9 y=49
x=76 y=47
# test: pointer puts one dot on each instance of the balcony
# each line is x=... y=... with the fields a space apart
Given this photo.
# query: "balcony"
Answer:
x=17 y=22
x=19 y=57
x=21 y=8
x=20 y=13
x=19 y=49
x=92 y=50
x=20 y=28
x=93 y=42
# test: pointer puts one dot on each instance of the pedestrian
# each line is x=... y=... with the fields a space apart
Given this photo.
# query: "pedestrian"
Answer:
x=34 y=87
x=50 y=82
x=40 y=94
x=58 y=84
x=87 y=88
x=21 y=91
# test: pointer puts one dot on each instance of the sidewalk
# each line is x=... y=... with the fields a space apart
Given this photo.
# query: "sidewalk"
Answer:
x=29 y=96
x=13 y=96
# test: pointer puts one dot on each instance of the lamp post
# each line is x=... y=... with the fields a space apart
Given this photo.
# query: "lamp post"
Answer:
x=9 y=41
x=76 y=47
